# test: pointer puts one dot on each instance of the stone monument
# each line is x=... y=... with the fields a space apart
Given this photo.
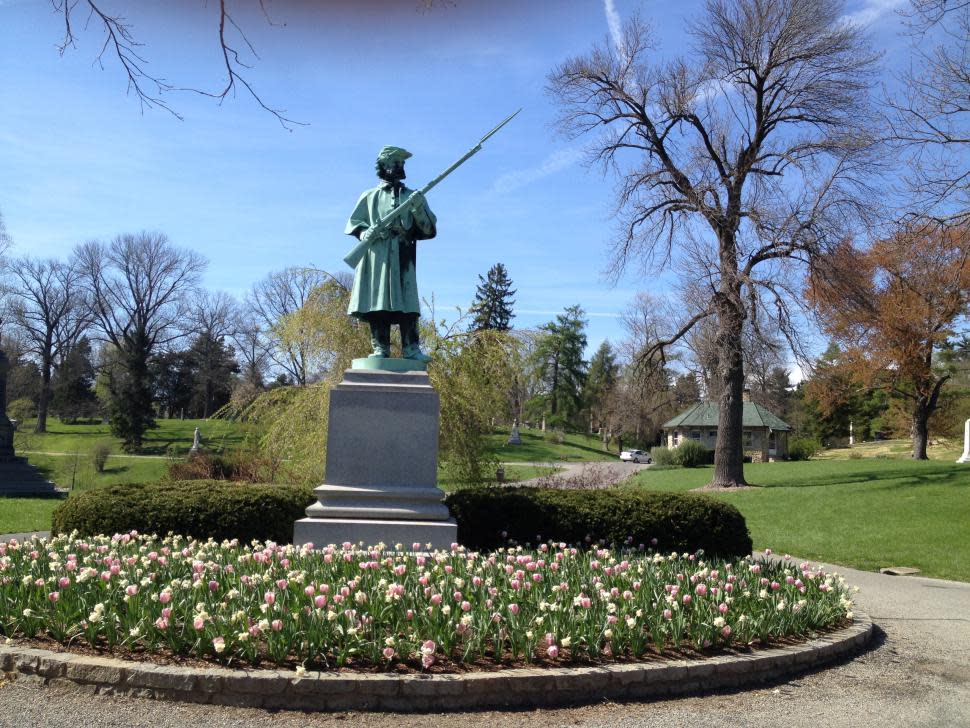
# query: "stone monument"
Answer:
x=515 y=438
x=196 y=440
x=6 y=426
x=382 y=434
x=17 y=477
x=965 y=458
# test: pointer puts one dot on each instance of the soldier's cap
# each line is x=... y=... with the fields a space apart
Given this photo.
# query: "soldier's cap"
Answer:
x=390 y=154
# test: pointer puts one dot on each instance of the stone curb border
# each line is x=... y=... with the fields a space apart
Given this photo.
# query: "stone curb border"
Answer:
x=515 y=688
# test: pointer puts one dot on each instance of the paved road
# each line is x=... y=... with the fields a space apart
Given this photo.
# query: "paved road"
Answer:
x=918 y=674
x=605 y=473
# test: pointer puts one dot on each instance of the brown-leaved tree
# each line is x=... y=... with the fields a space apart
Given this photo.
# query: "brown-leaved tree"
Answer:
x=893 y=306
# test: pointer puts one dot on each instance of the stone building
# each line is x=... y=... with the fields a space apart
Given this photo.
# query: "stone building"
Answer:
x=765 y=435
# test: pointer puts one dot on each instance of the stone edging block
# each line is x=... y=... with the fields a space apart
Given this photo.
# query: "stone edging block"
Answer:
x=515 y=688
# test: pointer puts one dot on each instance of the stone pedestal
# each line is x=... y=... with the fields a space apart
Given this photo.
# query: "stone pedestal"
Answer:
x=382 y=465
x=965 y=458
x=515 y=438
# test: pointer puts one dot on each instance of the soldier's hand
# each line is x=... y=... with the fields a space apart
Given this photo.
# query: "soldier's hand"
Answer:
x=368 y=235
x=416 y=200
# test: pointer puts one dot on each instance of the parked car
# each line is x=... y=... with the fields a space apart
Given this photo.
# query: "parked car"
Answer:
x=636 y=456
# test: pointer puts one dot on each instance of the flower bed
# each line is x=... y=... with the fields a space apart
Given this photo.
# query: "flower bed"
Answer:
x=383 y=609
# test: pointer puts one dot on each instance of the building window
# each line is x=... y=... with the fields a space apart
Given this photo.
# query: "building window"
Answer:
x=695 y=435
x=712 y=434
x=748 y=438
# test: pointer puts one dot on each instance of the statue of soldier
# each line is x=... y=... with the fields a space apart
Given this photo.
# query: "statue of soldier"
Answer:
x=385 y=289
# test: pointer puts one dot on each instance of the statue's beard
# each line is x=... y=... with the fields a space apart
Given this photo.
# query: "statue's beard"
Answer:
x=393 y=175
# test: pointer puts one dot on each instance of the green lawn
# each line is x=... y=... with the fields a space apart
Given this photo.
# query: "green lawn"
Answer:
x=539 y=447
x=170 y=435
x=865 y=513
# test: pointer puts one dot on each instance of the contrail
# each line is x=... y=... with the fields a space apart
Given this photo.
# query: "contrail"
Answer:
x=616 y=26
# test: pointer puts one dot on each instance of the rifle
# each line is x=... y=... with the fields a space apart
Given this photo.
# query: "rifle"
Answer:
x=356 y=254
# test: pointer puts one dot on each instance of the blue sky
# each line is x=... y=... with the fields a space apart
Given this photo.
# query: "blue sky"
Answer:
x=79 y=160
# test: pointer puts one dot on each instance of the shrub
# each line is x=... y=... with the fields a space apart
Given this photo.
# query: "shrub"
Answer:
x=100 y=454
x=664 y=457
x=21 y=410
x=199 y=508
x=488 y=517
x=248 y=466
x=803 y=448
x=691 y=454
x=556 y=437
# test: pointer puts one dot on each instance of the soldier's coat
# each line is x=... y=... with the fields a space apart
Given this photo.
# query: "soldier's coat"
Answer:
x=385 y=278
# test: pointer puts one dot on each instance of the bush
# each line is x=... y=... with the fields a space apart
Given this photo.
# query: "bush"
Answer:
x=691 y=454
x=100 y=454
x=240 y=466
x=489 y=517
x=21 y=410
x=664 y=457
x=199 y=508
x=803 y=448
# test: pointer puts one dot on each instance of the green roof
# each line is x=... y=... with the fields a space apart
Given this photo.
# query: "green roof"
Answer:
x=705 y=415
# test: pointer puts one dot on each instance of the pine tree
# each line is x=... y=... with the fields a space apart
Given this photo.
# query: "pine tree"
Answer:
x=559 y=363
x=604 y=371
x=492 y=307
x=73 y=395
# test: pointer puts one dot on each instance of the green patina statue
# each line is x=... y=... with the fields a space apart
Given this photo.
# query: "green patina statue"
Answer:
x=385 y=291
x=387 y=222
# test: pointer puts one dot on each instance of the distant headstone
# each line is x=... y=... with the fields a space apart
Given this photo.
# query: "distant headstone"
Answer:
x=514 y=438
x=851 y=436
x=196 y=438
x=543 y=424
x=965 y=458
x=6 y=426
x=17 y=477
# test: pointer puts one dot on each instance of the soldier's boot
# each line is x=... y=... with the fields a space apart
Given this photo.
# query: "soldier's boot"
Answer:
x=380 y=338
x=410 y=348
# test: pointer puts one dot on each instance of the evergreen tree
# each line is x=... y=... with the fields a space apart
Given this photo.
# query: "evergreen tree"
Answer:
x=212 y=365
x=600 y=383
x=558 y=359
x=73 y=396
x=172 y=376
x=492 y=307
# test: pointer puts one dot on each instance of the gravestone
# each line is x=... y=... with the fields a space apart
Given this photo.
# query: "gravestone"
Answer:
x=965 y=458
x=515 y=438
x=17 y=477
x=381 y=483
x=196 y=439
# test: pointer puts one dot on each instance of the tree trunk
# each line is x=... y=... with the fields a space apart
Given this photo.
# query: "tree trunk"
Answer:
x=45 y=396
x=920 y=429
x=728 y=452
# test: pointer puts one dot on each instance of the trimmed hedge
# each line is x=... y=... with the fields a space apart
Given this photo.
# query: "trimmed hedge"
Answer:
x=487 y=517
x=199 y=508
x=490 y=517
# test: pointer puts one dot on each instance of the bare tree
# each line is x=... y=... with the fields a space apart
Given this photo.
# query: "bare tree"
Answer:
x=251 y=347
x=277 y=296
x=931 y=116
x=140 y=287
x=120 y=44
x=213 y=315
x=48 y=306
x=760 y=139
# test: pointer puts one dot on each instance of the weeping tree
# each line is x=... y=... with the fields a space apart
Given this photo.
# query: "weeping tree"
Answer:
x=736 y=163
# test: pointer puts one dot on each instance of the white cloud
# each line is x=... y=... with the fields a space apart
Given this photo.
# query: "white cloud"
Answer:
x=555 y=162
x=871 y=11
